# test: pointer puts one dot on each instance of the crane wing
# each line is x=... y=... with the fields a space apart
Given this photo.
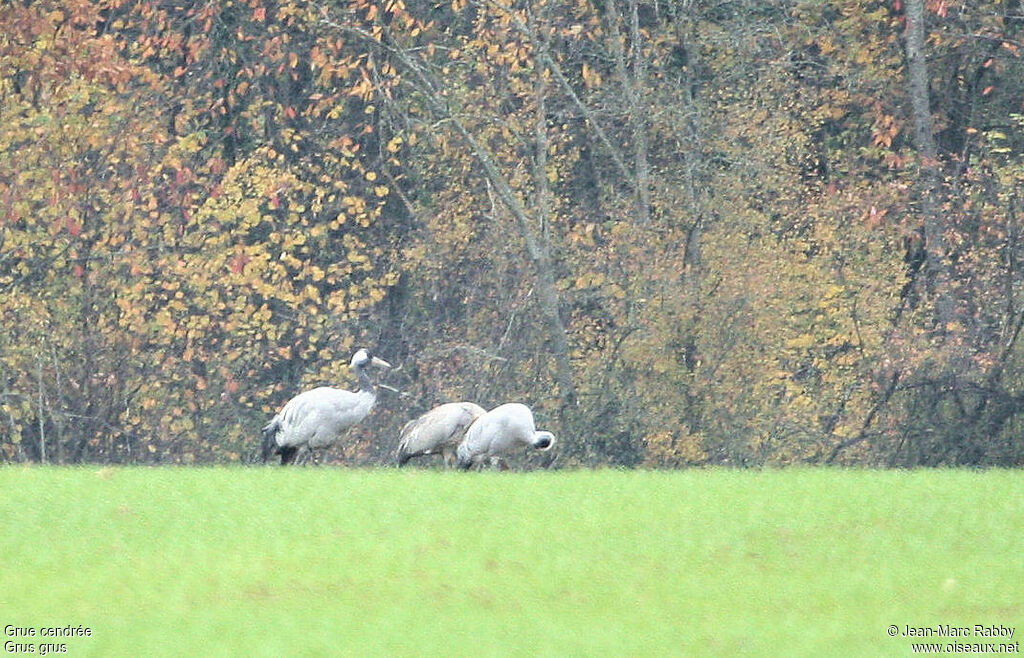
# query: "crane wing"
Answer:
x=319 y=416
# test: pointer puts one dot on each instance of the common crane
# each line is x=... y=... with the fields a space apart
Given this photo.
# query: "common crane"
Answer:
x=499 y=431
x=318 y=417
x=438 y=431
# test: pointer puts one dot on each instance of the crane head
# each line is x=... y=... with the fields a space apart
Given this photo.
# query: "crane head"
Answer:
x=363 y=358
x=543 y=440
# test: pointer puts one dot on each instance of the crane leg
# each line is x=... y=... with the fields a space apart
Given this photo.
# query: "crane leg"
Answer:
x=549 y=460
x=304 y=456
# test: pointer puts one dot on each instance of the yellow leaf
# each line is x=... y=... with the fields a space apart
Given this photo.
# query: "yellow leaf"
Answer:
x=803 y=341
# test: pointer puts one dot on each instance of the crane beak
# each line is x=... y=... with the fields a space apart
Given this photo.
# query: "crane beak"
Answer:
x=380 y=363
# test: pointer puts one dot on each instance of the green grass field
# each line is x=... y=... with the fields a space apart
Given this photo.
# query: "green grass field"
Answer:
x=326 y=561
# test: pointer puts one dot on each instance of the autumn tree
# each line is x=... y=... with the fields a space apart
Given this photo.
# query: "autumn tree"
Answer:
x=686 y=233
x=75 y=128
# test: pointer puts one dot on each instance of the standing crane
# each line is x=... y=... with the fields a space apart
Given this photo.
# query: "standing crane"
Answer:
x=318 y=417
x=438 y=431
x=499 y=431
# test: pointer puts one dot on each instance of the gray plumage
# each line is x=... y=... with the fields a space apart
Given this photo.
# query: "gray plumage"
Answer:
x=438 y=431
x=500 y=431
x=318 y=417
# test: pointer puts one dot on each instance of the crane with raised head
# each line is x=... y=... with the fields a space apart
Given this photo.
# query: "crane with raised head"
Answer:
x=317 y=418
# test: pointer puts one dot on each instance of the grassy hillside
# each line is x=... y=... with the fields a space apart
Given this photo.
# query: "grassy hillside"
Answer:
x=322 y=561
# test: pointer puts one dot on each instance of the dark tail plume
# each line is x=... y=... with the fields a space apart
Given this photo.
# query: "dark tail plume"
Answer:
x=288 y=454
x=269 y=446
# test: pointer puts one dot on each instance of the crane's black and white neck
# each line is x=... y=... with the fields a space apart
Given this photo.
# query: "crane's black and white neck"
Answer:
x=360 y=360
x=366 y=395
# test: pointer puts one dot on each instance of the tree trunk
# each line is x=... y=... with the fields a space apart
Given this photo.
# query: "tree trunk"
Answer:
x=637 y=114
x=632 y=87
x=937 y=269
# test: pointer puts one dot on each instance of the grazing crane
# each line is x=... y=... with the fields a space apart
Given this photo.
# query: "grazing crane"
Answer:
x=318 y=417
x=437 y=431
x=498 y=431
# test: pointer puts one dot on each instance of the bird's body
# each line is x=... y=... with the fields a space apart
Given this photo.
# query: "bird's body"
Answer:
x=318 y=417
x=438 y=431
x=500 y=431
